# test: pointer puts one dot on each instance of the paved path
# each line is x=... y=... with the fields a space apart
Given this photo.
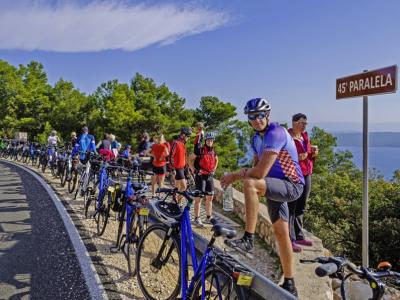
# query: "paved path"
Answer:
x=37 y=257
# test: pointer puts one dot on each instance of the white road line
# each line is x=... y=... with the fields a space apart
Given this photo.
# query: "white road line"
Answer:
x=93 y=282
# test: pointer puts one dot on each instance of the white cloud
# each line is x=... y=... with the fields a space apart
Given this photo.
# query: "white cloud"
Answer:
x=101 y=26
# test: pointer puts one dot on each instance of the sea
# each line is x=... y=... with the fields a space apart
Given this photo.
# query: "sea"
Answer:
x=383 y=150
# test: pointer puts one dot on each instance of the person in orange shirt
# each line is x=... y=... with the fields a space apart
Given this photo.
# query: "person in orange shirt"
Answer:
x=159 y=152
x=178 y=158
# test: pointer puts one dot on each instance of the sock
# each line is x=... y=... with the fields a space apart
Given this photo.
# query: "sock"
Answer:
x=288 y=281
x=208 y=217
x=249 y=237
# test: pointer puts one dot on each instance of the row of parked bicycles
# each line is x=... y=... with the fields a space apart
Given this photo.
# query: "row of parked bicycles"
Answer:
x=155 y=233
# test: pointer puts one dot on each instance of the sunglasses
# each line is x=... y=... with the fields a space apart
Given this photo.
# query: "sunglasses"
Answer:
x=259 y=116
x=301 y=123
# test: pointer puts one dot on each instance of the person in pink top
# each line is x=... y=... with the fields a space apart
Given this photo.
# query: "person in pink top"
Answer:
x=307 y=155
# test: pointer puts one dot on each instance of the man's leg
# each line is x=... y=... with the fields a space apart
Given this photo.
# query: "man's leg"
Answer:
x=253 y=189
x=281 y=230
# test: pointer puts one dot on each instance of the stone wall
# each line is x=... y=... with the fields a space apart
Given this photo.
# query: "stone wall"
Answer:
x=264 y=226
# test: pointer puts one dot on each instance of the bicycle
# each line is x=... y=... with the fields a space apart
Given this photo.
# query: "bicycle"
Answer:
x=336 y=267
x=102 y=210
x=162 y=261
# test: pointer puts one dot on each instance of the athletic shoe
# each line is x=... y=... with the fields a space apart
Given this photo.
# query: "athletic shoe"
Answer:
x=242 y=244
x=197 y=222
x=295 y=248
x=304 y=242
x=290 y=287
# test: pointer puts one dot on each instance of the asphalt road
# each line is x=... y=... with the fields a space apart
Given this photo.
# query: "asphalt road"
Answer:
x=37 y=257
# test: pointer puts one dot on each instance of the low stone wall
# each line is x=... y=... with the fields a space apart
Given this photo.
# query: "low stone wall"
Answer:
x=264 y=225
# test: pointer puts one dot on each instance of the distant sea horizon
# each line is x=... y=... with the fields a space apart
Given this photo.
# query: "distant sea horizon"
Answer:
x=383 y=150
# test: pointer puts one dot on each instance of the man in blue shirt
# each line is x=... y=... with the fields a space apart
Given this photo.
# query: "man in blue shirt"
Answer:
x=85 y=143
x=275 y=174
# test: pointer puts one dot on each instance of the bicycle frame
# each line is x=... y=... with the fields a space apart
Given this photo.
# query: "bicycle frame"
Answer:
x=187 y=237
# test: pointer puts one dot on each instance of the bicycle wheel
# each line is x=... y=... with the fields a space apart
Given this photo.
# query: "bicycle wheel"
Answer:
x=88 y=199
x=44 y=164
x=132 y=244
x=158 y=263
x=218 y=285
x=72 y=181
x=103 y=215
x=64 y=176
x=18 y=156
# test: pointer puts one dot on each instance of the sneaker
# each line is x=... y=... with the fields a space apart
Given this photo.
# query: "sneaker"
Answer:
x=304 y=242
x=197 y=222
x=242 y=244
x=208 y=221
x=295 y=248
x=290 y=287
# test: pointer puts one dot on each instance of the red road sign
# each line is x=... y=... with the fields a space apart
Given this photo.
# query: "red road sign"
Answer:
x=374 y=82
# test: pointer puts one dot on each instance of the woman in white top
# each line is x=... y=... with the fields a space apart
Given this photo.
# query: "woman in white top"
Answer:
x=53 y=138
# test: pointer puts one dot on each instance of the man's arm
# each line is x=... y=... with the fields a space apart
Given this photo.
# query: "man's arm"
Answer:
x=255 y=160
x=262 y=168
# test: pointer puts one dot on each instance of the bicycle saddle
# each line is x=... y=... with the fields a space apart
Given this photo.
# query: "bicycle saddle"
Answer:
x=224 y=231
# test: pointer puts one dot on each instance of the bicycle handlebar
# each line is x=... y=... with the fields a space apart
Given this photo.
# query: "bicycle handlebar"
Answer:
x=331 y=265
x=326 y=269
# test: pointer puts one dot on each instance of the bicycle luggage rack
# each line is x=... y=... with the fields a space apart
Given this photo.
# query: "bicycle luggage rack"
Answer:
x=261 y=288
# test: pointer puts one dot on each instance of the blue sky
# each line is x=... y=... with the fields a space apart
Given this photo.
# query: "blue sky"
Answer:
x=288 y=51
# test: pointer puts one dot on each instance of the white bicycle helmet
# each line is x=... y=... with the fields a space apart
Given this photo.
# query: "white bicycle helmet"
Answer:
x=166 y=212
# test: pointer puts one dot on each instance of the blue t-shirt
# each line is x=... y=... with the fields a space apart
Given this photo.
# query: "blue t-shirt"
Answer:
x=84 y=143
x=277 y=139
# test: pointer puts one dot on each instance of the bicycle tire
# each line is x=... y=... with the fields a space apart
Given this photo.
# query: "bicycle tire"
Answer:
x=168 y=275
x=18 y=156
x=102 y=215
x=87 y=200
x=44 y=166
x=63 y=176
x=53 y=169
x=72 y=181
x=132 y=244
x=219 y=285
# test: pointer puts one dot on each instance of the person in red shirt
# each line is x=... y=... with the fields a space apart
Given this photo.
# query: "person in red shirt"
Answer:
x=307 y=155
x=159 y=151
x=178 y=158
x=205 y=164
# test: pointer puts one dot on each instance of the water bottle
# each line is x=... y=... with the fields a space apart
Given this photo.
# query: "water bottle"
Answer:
x=227 y=198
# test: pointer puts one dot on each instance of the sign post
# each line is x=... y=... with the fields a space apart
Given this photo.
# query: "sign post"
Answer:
x=381 y=81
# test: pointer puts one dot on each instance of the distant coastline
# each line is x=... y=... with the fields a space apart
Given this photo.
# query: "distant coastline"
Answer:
x=376 y=139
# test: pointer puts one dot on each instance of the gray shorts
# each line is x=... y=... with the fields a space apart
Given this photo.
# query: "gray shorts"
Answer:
x=279 y=192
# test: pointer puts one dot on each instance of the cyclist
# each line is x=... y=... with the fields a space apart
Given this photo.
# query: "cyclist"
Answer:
x=205 y=164
x=84 y=144
x=104 y=147
x=52 y=141
x=275 y=174
x=144 y=144
x=73 y=140
x=178 y=158
x=159 y=152
x=127 y=151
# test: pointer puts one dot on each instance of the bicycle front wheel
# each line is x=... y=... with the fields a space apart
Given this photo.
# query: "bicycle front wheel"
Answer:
x=103 y=214
x=218 y=285
x=158 y=263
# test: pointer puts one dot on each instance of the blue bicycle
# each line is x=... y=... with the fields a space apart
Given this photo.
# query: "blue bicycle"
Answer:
x=162 y=257
x=131 y=206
